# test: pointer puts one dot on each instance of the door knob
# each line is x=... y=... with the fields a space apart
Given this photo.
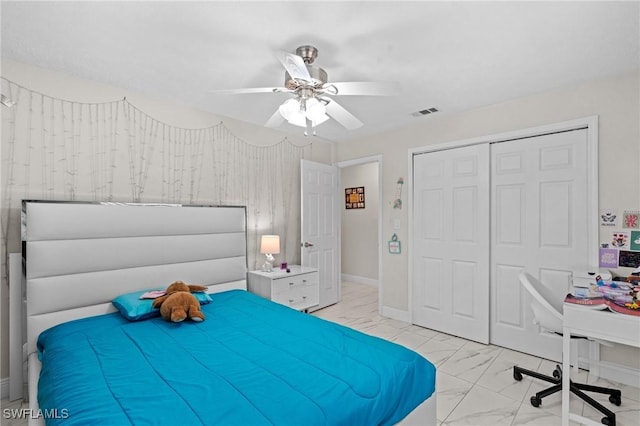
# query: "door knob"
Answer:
x=307 y=244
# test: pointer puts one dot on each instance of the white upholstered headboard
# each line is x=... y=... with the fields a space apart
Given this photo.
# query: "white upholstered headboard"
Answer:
x=79 y=256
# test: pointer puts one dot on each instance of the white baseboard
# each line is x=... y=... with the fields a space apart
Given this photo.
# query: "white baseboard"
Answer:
x=4 y=388
x=359 y=280
x=396 y=314
x=621 y=374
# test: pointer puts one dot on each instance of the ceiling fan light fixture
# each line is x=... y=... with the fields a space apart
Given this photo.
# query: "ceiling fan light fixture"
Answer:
x=315 y=110
x=312 y=103
x=301 y=120
x=290 y=108
x=297 y=111
x=298 y=119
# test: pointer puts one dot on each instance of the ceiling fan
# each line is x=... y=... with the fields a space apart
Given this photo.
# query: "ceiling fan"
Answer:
x=312 y=103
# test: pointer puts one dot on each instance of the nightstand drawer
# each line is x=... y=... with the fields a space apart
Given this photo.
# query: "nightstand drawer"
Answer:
x=295 y=281
x=299 y=292
x=298 y=288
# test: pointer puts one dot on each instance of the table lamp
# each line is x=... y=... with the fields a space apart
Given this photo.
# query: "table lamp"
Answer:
x=269 y=245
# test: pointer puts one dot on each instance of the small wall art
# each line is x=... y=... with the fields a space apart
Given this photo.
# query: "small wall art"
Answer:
x=635 y=240
x=394 y=245
x=631 y=219
x=608 y=217
x=397 y=203
x=354 y=198
x=629 y=259
x=620 y=240
x=608 y=258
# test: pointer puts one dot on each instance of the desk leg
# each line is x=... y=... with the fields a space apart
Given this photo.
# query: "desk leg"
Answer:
x=566 y=374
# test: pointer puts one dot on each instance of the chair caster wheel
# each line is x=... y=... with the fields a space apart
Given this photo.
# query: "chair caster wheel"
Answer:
x=607 y=421
x=517 y=375
x=615 y=400
x=535 y=401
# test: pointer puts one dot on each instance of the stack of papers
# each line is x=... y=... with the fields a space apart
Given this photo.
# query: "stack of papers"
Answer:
x=616 y=296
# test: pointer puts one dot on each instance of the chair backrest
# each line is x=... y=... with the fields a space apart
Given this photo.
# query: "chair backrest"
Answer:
x=547 y=308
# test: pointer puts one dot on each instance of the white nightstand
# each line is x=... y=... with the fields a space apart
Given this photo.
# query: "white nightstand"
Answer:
x=297 y=289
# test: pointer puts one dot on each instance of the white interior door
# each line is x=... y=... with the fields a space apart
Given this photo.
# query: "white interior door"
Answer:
x=450 y=291
x=539 y=223
x=319 y=221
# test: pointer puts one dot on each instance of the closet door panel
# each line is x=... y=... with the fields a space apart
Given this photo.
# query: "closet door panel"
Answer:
x=555 y=213
x=538 y=185
x=464 y=281
x=450 y=284
x=429 y=295
x=432 y=200
x=465 y=210
x=510 y=215
x=481 y=215
x=510 y=314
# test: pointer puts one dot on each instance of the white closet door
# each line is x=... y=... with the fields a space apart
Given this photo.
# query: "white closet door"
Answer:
x=451 y=241
x=539 y=223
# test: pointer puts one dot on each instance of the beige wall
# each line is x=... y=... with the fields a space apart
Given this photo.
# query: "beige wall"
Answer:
x=62 y=86
x=359 y=233
x=615 y=101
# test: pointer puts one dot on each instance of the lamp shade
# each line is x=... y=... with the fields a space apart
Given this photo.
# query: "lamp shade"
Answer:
x=270 y=244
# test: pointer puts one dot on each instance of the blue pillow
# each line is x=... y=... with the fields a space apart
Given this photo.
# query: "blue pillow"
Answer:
x=133 y=308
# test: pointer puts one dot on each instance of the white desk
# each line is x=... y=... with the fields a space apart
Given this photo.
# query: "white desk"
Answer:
x=603 y=325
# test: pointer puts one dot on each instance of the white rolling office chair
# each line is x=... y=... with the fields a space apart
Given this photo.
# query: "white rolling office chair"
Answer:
x=547 y=311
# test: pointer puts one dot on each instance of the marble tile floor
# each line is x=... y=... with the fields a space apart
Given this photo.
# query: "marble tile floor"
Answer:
x=475 y=384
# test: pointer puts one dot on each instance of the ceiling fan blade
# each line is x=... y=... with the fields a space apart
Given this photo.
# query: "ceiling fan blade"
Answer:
x=366 y=88
x=294 y=65
x=250 y=90
x=341 y=115
x=276 y=120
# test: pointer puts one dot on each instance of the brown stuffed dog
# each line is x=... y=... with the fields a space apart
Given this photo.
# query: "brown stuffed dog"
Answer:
x=178 y=303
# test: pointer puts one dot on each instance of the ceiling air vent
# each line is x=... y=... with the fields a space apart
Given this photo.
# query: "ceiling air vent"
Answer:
x=424 y=112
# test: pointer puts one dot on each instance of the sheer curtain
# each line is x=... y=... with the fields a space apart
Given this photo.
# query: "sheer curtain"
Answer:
x=57 y=149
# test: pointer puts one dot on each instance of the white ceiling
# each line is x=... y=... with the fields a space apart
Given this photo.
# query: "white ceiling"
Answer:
x=451 y=55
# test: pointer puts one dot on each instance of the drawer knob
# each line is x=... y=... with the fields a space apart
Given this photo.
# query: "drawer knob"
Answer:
x=304 y=281
x=290 y=283
x=290 y=300
x=304 y=297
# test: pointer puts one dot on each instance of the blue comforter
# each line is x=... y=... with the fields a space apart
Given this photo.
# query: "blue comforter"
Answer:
x=252 y=362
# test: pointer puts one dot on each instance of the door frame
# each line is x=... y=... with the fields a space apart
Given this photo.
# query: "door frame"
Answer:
x=358 y=162
x=591 y=125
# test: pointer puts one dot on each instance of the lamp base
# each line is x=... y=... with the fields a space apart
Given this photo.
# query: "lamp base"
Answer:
x=268 y=264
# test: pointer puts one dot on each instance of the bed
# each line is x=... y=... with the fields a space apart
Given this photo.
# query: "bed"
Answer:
x=251 y=361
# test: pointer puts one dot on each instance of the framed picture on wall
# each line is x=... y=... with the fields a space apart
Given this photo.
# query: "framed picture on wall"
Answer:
x=354 y=197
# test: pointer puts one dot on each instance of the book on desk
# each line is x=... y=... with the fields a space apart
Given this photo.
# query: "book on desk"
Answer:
x=619 y=297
